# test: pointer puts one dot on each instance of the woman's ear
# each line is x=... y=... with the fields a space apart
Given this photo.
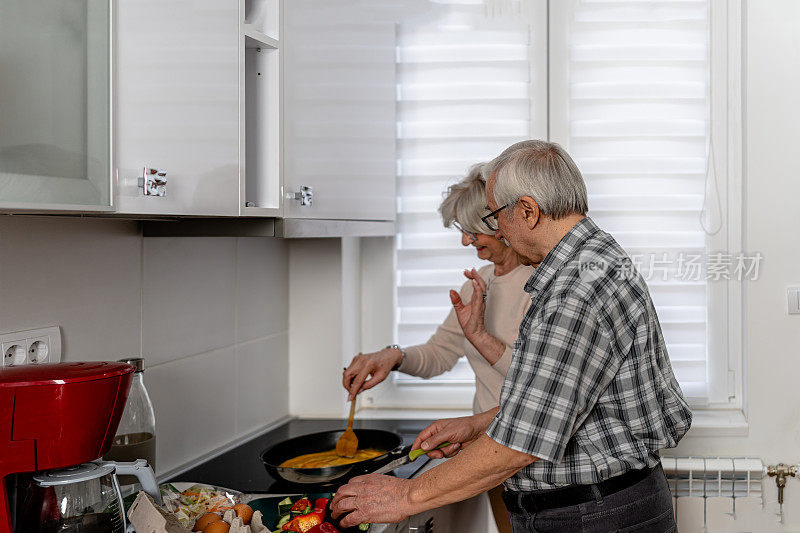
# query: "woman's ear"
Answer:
x=530 y=211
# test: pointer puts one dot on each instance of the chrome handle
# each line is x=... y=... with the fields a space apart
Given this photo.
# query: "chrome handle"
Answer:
x=305 y=195
x=153 y=181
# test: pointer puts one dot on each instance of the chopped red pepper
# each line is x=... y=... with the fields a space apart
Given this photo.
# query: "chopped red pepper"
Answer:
x=303 y=523
x=324 y=527
x=300 y=505
x=320 y=503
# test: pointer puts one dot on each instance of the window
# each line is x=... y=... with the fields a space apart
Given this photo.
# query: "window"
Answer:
x=643 y=94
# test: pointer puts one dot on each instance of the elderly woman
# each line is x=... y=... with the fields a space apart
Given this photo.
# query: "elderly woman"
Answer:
x=482 y=325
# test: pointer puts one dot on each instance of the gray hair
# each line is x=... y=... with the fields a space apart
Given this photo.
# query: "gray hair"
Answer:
x=465 y=202
x=542 y=170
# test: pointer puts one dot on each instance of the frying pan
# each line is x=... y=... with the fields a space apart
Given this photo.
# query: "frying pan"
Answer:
x=324 y=441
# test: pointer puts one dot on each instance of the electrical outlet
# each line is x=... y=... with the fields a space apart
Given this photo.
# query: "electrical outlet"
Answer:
x=38 y=350
x=13 y=353
x=33 y=346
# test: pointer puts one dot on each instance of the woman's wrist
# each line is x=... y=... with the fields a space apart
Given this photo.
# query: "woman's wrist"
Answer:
x=489 y=346
x=399 y=353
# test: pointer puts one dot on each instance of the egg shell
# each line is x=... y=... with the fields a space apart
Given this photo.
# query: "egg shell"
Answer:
x=244 y=511
x=204 y=520
x=217 y=527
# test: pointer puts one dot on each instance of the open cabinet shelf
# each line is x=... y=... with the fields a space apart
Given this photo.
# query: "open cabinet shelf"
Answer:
x=256 y=39
x=260 y=110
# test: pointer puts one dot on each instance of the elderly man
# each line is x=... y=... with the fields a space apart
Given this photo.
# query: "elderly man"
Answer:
x=590 y=396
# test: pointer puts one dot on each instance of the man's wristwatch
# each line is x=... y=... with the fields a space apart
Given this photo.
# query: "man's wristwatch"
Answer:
x=402 y=352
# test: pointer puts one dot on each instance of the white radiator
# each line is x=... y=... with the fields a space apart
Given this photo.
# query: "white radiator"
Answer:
x=722 y=495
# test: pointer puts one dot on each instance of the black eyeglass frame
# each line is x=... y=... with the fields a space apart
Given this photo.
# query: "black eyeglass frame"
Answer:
x=493 y=214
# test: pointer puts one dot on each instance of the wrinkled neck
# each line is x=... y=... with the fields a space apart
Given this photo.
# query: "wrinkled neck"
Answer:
x=509 y=262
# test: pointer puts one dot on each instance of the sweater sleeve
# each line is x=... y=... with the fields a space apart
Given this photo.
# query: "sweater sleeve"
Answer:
x=502 y=365
x=442 y=350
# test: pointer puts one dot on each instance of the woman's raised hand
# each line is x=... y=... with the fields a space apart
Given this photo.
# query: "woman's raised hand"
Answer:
x=375 y=366
x=470 y=315
x=471 y=319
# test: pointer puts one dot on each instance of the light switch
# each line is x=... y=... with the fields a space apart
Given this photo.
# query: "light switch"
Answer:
x=793 y=300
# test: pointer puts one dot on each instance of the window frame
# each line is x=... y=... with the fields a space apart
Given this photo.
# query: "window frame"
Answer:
x=724 y=303
x=725 y=412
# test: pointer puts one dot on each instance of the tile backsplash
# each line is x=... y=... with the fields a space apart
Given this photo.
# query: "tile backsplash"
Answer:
x=209 y=316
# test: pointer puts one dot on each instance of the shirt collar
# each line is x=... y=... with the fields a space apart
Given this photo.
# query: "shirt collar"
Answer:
x=560 y=254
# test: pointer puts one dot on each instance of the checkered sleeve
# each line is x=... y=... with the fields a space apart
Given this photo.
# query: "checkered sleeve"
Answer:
x=560 y=368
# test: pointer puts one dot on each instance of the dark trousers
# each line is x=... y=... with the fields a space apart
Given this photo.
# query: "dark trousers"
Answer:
x=645 y=506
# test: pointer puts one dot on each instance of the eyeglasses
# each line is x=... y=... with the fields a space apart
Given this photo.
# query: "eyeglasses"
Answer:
x=493 y=214
x=465 y=232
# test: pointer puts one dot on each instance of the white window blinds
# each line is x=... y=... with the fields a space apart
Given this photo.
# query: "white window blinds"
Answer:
x=626 y=91
x=463 y=95
x=631 y=107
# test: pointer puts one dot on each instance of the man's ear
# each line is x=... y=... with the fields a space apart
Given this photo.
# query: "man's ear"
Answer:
x=530 y=211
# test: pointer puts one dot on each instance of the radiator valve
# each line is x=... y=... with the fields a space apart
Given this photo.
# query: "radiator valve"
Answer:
x=780 y=473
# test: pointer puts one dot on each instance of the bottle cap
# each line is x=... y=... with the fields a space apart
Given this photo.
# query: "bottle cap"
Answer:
x=136 y=362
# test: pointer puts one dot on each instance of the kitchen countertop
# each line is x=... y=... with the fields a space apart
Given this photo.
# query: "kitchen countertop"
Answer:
x=241 y=469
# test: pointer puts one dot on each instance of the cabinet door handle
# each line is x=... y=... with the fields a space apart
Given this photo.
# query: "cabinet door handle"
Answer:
x=305 y=195
x=153 y=181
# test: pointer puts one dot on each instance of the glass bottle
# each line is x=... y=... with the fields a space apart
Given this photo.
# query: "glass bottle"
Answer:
x=136 y=434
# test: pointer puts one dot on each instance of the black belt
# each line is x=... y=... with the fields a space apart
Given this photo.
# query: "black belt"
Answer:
x=533 y=502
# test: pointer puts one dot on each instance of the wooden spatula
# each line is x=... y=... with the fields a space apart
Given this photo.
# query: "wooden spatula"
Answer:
x=347 y=445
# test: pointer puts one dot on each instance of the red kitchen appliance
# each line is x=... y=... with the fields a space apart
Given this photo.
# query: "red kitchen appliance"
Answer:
x=54 y=416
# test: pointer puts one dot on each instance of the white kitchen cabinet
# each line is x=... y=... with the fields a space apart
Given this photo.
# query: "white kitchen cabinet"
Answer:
x=177 y=102
x=55 y=120
x=339 y=109
x=238 y=108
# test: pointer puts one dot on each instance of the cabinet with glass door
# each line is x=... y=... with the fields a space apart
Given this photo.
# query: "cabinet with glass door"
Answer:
x=55 y=118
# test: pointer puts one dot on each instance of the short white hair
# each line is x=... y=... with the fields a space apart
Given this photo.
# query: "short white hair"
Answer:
x=465 y=202
x=542 y=170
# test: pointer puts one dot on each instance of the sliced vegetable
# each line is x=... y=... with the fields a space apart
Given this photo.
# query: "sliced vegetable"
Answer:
x=285 y=519
x=325 y=527
x=300 y=506
x=302 y=523
x=320 y=503
x=363 y=527
x=284 y=506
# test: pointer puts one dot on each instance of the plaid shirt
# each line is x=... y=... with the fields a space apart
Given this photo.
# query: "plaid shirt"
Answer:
x=590 y=390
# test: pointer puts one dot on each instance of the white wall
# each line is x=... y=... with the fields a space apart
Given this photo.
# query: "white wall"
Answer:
x=208 y=314
x=772 y=222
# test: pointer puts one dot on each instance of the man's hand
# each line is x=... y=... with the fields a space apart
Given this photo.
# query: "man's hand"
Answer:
x=471 y=319
x=372 y=499
x=460 y=431
x=381 y=499
x=377 y=365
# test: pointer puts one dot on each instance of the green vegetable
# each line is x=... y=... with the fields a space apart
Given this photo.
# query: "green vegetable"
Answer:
x=363 y=527
x=284 y=506
x=284 y=520
x=414 y=455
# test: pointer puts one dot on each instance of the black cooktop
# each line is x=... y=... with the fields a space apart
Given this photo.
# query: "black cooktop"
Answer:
x=241 y=469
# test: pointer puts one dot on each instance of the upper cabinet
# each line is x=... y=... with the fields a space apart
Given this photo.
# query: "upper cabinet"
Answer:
x=55 y=150
x=339 y=110
x=212 y=108
x=177 y=105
